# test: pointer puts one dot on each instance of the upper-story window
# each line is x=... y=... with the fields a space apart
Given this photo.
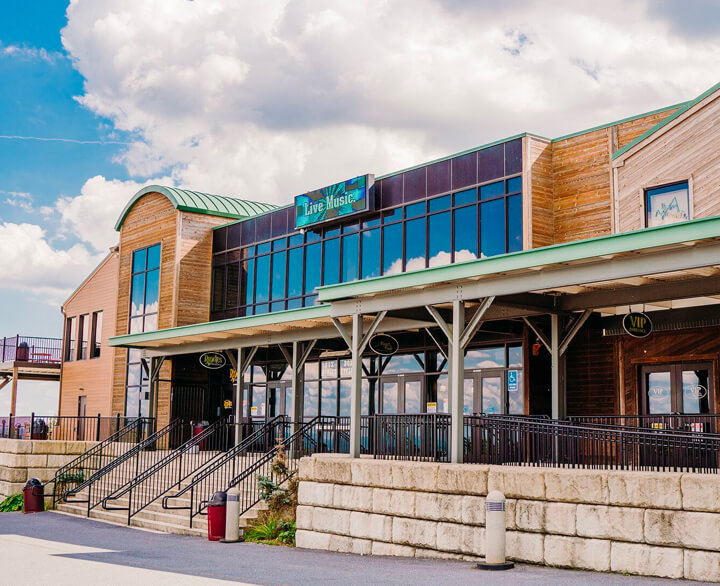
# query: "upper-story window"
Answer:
x=96 y=336
x=70 y=339
x=83 y=335
x=145 y=289
x=667 y=204
x=449 y=211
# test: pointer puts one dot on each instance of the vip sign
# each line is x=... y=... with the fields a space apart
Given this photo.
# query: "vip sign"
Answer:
x=637 y=324
x=334 y=201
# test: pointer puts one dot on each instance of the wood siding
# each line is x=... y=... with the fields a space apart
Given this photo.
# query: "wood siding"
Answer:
x=92 y=377
x=591 y=362
x=686 y=152
x=571 y=181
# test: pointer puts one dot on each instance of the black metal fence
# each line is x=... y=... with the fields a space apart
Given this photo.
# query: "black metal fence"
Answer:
x=60 y=427
x=31 y=349
x=707 y=423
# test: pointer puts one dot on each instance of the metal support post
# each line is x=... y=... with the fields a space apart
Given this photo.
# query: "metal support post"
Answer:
x=456 y=369
x=557 y=369
x=356 y=385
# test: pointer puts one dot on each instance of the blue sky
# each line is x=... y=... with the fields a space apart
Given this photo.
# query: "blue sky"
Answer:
x=264 y=100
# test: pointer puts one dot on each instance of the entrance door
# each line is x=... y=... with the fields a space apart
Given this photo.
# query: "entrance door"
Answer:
x=680 y=388
x=278 y=400
x=401 y=393
x=485 y=392
x=82 y=408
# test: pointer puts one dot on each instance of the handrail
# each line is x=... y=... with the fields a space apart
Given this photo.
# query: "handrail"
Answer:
x=211 y=442
x=250 y=441
x=74 y=471
x=102 y=479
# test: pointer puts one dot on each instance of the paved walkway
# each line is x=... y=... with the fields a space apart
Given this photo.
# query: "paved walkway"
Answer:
x=60 y=549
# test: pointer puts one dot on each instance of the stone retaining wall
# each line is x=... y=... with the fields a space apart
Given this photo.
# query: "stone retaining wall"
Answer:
x=655 y=524
x=21 y=460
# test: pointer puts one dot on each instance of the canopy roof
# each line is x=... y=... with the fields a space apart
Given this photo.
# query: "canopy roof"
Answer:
x=200 y=203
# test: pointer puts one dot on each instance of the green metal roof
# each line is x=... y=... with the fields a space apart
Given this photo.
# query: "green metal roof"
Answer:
x=236 y=323
x=684 y=108
x=526 y=259
x=200 y=203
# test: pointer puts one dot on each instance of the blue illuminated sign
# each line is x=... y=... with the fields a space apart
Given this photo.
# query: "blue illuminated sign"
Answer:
x=334 y=201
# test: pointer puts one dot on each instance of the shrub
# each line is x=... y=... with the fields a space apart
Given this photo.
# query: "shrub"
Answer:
x=12 y=503
x=272 y=531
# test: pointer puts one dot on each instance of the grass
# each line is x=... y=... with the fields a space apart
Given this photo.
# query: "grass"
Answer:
x=272 y=532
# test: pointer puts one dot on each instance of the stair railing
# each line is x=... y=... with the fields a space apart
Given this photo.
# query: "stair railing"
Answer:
x=168 y=472
x=214 y=474
x=76 y=472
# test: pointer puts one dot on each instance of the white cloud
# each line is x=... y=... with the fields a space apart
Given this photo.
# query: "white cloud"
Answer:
x=30 y=53
x=19 y=199
x=29 y=263
x=265 y=100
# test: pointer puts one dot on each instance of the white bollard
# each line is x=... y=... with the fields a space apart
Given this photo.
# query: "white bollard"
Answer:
x=232 y=516
x=495 y=533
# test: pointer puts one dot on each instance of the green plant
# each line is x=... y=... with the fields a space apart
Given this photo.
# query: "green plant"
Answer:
x=68 y=477
x=12 y=503
x=272 y=531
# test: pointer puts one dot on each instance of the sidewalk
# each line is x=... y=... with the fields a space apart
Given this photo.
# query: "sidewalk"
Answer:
x=61 y=549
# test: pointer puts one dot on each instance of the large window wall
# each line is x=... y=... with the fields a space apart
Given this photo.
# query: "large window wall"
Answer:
x=451 y=211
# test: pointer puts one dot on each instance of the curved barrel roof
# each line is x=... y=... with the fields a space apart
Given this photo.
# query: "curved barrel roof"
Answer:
x=201 y=203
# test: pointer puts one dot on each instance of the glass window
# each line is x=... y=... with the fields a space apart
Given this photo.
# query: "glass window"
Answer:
x=279 y=260
x=233 y=285
x=442 y=394
x=331 y=233
x=137 y=298
x=351 y=257
x=485 y=358
x=139 y=258
x=415 y=239
x=392 y=249
x=96 y=343
x=345 y=388
x=262 y=279
x=515 y=356
x=415 y=209
x=492 y=190
x=311 y=371
x=389 y=397
x=392 y=215
x=313 y=265
x=152 y=291
x=349 y=228
x=439 y=203
x=403 y=363
x=465 y=234
x=515 y=231
x=492 y=394
x=465 y=197
x=328 y=400
x=295 y=240
x=659 y=397
x=279 y=244
x=295 y=272
x=371 y=223
x=153 y=257
x=413 y=395
x=312 y=236
x=516 y=399
x=249 y=279
x=492 y=228
x=514 y=185
x=371 y=253
x=695 y=395
x=331 y=261
x=329 y=369
x=440 y=243
x=668 y=204
x=263 y=248
x=70 y=339
x=83 y=336
x=144 y=291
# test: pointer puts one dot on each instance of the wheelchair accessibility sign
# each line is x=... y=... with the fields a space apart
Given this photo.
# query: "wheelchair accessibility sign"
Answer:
x=512 y=381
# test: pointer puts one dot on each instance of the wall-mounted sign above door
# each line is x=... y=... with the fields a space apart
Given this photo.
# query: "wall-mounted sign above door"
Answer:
x=334 y=201
x=384 y=345
x=637 y=324
x=212 y=360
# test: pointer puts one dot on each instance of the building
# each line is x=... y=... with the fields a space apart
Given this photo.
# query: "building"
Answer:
x=499 y=279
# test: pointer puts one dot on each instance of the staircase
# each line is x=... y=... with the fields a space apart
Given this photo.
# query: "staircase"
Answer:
x=153 y=517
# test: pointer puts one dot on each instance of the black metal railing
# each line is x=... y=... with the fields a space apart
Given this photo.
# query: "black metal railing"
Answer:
x=422 y=436
x=214 y=476
x=492 y=440
x=703 y=423
x=76 y=472
x=317 y=435
x=60 y=427
x=31 y=349
x=169 y=472
x=128 y=465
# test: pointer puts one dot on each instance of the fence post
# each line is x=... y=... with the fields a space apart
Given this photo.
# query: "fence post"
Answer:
x=117 y=422
x=97 y=429
x=4 y=344
x=32 y=424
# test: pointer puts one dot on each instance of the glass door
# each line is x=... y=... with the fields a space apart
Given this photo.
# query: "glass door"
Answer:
x=492 y=387
x=680 y=388
x=278 y=400
x=401 y=393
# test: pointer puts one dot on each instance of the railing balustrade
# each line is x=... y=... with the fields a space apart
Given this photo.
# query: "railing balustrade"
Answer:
x=31 y=349
x=59 y=427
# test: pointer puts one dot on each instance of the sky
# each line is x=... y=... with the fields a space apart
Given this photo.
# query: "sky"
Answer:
x=265 y=100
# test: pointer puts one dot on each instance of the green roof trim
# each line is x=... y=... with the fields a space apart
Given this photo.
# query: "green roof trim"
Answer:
x=559 y=253
x=685 y=107
x=200 y=203
x=289 y=315
x=621 y=121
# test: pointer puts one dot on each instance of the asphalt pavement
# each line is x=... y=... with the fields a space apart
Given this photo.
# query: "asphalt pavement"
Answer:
x=61 y=549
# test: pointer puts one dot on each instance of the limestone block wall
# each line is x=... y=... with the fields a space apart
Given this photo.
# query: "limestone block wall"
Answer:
x=655 y=524
x=21 y=460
